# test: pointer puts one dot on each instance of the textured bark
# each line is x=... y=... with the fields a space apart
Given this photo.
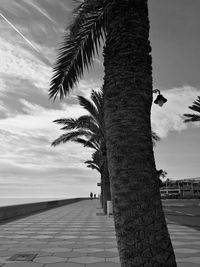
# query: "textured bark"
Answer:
x=106 y=186
x=142 y=235
x=101 y=195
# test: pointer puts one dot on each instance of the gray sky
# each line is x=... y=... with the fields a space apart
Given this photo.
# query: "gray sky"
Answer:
x=29 y=166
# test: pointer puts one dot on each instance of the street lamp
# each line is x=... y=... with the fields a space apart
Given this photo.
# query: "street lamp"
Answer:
x=160 y=100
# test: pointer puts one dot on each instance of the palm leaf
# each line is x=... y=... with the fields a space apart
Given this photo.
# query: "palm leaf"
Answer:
x=70 y=123
x=85 y=121
x=97 y=98
x=89 y=106
x=80 y=45
x=86 y=143
x=192 y=117
x=71 y=136
x=92 y=165
x=194 y=107
x=155 y=137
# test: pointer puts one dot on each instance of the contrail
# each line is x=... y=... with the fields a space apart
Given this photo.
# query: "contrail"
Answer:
x=19 y=32
x=46 y=61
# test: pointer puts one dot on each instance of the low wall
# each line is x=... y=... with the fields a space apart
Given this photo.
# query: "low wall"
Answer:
x=16 y=211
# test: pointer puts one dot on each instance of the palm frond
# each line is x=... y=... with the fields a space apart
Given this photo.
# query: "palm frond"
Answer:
x=85 y=142
x=71 y=136
x=155 y=137
x=97 y=98
x=95 y=109
x=68 y=122
x=85 y=121
x=89 y=106
x=80 y=46
x=92 y=165
x=97 y=157
x=96 y=162
x=194 y=107
x=192 y=117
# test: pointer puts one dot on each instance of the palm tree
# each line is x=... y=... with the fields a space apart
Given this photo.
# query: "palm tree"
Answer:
x=89 y=130
x=96 y=164
x=195 y=107
x=141 y=230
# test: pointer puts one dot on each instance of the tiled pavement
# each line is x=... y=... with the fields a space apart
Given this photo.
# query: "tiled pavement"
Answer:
x=75 y=236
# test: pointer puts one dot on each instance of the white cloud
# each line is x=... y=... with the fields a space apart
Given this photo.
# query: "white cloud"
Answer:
x=37 y=120
x=2 y=107
x=40 y=10
x=170 y=116
x=28 y=160
x=18 y=62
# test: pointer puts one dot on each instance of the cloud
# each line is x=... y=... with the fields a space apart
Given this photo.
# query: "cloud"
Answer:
x=40 y=10
x=28 y=160
x=28 y=163
x=20 y=63
x=170 y=116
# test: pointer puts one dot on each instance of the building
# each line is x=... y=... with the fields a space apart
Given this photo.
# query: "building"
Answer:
x=183 y=187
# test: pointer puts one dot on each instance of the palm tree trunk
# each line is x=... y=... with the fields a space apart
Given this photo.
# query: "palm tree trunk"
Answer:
x=142 y=234
x=101 y=194
x=106 y=186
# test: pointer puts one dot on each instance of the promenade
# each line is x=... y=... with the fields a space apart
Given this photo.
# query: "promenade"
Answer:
x=77 y=235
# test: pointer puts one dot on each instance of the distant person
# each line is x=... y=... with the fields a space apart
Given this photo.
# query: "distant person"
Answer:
x=94 y=195
x=91 y=195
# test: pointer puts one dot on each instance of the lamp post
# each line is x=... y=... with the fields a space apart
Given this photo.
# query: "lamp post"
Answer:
x=160 y=100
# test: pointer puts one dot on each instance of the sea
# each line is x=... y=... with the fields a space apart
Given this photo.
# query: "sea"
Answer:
x=15 y=201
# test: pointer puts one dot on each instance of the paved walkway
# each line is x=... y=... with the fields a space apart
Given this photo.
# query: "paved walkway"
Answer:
x=75 y=236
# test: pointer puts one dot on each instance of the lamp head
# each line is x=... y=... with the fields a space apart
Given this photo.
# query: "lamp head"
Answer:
x=160 y=100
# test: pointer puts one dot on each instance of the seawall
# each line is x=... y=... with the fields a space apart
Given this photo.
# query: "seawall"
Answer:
x=21 y=210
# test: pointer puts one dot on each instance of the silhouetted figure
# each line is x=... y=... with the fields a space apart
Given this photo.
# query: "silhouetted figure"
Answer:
x=91 y=195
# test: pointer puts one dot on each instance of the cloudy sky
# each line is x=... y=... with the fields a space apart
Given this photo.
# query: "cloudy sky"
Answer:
x=30 y=35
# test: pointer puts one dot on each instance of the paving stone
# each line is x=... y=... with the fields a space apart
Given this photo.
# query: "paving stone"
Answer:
x=41 y=236
x=74 y=245
x=26 y=250
x=86 y=260
x=87 y=250
x=103 y=264
x=60 y=243
x=23 y=264
x=8 y=242
x=186 y=264
x=114 y=259
x=49 y=259
x=112 y=249
x=103 y=245
x=54 y=250
x=189 y=260
x=70 y=254
x=103 y=254
x=41 y=246
x=4 y=253
x=65 y=264
x=34 y=242
x=187 y=250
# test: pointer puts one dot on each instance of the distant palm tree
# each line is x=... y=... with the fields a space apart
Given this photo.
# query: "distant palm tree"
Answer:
x=96 y=161
x=89 y=130
x=140 y=225
x=195 y=107
x=96 y=164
